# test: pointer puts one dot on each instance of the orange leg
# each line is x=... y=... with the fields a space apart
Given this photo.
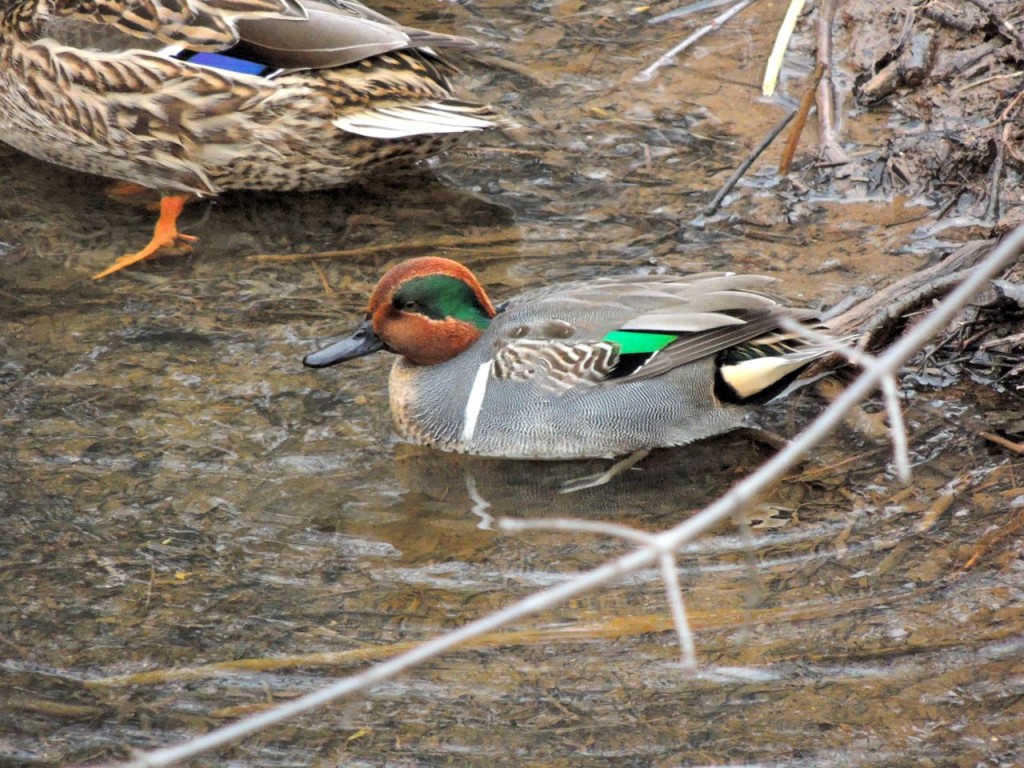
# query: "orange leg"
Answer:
x=165 y=235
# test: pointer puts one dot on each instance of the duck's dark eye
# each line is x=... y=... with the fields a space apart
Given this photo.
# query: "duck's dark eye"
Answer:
x=406 y=305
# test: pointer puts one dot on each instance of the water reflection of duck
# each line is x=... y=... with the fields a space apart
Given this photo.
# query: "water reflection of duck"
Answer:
x=231 y=94
x=670 y=485
x=594 y=368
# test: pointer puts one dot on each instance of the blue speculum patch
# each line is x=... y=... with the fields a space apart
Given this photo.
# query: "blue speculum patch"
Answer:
x=227 y=63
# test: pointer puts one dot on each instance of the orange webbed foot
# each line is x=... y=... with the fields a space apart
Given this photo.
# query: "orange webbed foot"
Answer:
x=165 y=236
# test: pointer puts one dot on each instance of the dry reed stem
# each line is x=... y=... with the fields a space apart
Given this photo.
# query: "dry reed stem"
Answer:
x=405 y=246
x=745 y=165
x=801 y=120
x=991 y=538
x=831 y=151
x=1002 y=441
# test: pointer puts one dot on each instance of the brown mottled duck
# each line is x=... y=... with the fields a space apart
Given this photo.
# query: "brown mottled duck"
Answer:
x=193 y=97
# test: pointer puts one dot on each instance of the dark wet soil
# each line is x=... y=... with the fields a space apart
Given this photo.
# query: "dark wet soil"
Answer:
x=947 y=80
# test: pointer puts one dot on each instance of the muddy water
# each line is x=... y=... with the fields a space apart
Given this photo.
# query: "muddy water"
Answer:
x=178 y=492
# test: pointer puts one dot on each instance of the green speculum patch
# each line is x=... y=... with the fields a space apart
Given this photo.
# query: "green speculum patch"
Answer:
x=635 y=349
x=640 y=342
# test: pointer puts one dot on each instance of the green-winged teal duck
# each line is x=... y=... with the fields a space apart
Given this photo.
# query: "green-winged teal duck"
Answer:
x=595 y=368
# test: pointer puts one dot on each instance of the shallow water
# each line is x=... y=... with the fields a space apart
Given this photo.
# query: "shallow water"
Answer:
x=178 y=491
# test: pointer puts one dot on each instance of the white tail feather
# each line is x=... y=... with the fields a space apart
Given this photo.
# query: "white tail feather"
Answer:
x=417 y=120
x=749 y=377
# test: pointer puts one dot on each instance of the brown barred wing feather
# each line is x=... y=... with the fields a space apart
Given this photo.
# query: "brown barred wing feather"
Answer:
x=197 y=24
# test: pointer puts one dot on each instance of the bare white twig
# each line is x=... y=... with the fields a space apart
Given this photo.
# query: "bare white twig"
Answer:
x=897 y=429
x=686 y=10
x=890 y=391
x=515 y=525
x=674 y=594
x=667 y=562
x=714 y=24
x=667 y=542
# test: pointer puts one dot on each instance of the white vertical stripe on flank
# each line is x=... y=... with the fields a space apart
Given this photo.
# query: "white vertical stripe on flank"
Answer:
x=475 y=401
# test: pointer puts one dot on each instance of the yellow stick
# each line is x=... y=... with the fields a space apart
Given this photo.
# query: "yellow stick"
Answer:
x=771 y=72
